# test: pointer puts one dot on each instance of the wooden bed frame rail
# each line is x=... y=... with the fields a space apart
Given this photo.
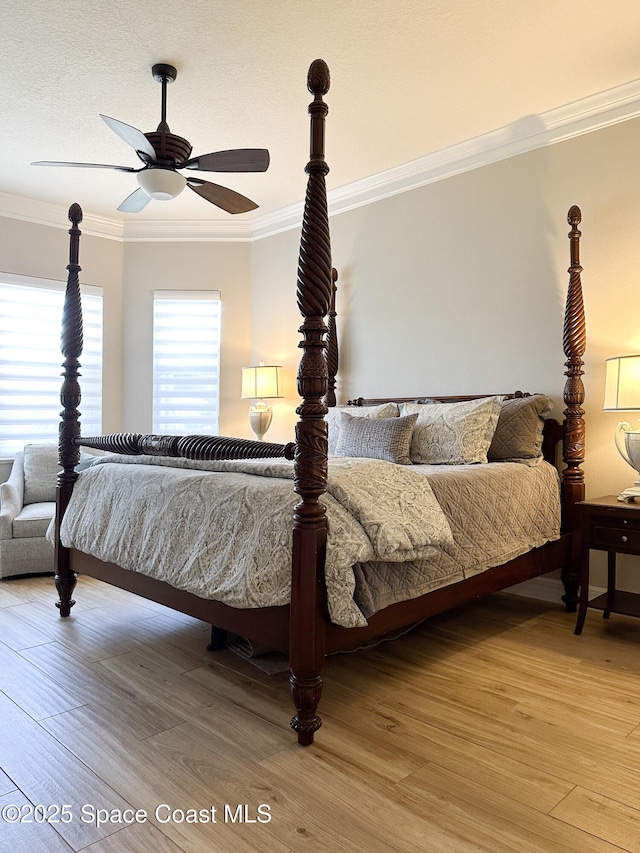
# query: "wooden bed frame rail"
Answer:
x=303 y=627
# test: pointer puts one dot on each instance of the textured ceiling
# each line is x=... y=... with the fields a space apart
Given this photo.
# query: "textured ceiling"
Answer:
x=408 y=78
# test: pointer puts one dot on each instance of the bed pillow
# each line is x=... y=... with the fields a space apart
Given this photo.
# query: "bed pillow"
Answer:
x=386 y=410
x=40 y=473
x=518 y=434
x=453 y=433
x=376 y=438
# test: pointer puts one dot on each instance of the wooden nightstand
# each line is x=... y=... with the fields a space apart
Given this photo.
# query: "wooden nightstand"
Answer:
x=607 y=524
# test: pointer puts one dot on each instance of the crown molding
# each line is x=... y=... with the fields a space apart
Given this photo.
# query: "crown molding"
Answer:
x=527 y=134
x=557 y=125
x=57 y=216
x=587 y=115
x=187 y=231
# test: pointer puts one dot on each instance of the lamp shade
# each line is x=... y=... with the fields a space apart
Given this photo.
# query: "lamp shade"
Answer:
x=162 y=184
x=622 y=384
x=261 y=381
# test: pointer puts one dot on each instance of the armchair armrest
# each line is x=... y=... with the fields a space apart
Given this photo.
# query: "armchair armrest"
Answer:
x=12 y=497
x=10 y=506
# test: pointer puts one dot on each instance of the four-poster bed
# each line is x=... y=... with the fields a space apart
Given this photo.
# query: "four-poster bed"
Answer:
x=301 y=626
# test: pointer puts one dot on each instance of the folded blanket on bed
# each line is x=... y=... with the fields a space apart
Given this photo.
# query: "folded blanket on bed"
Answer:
x=223 y=529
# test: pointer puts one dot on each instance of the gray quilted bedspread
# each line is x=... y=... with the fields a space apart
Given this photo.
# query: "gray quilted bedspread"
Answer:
x=222 y=530
x=496 y=511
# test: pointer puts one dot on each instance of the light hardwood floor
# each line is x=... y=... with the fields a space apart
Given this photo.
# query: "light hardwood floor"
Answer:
x=491 y=728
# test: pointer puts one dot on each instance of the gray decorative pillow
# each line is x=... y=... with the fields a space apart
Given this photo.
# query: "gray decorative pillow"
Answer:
x=518 y=434
x=453 y=433
x=40 y=473
x=385 y=410
x=376 y=438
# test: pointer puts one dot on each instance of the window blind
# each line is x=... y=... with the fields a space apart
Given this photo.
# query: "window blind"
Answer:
x=186 y=362
x=30 y=361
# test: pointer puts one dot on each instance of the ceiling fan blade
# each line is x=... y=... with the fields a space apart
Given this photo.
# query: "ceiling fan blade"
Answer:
x=85 y=165
x=133 y=137
x=135 y=202
x=227 y=199
x=235 y=160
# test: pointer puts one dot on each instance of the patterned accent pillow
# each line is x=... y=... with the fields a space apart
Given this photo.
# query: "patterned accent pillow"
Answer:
x=518 y=434
x=40 y=473
x=376 y=438
x=453 y=433
x=386 y=410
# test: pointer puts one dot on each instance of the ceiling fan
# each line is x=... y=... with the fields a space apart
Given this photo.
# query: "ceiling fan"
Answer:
x=163 y=154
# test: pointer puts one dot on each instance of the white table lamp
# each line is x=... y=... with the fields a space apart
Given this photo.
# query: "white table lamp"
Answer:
x=260 y=382
x=622 y=394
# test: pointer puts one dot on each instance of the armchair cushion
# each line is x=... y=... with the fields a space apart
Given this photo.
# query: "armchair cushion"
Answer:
x=33 y=520
x=40 y=473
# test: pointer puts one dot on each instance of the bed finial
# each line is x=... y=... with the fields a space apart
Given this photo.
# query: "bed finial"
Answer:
x=574 y=217
x=318 y=78
x=75 y=214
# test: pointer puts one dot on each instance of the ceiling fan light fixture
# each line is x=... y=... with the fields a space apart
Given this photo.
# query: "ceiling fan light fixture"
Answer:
x=162 y=184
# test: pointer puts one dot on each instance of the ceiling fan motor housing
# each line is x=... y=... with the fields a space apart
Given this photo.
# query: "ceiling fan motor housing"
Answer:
x=169 y=147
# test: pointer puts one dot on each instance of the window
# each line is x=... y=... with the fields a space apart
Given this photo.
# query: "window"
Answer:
x=186 y=362
x=31 y=361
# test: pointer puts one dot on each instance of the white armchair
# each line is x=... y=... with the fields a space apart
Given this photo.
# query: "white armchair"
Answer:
x=27 y=505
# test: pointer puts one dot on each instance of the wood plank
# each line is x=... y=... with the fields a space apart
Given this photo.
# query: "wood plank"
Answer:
x=13 y=591
x=146 y=676
x=184 y=768
x=120 y=709
x=141 y=838
x=30 y=749
x=19 y=632
x=601 y=816
x=31 y=689
x=28 y=836
x=367 y=741
x=376 y=817
x=6 y=784
x=606 y=767
x=521 y=827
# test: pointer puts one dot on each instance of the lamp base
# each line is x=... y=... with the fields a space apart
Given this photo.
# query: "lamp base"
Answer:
x=631 y=494
x=260 y=419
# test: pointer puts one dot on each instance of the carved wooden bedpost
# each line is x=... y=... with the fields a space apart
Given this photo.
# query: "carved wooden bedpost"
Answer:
x=574 y=340
x=332 y=345
x=69 y=430
x=306 y=637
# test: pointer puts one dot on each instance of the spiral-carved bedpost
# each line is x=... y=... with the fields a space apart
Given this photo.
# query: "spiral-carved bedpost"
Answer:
x=332 y=345
x=574 y=340
x=315 y=285
x=204 y=448
x=71 y=342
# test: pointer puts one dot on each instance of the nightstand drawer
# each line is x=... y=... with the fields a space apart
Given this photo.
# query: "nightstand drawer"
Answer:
x=615 y=538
